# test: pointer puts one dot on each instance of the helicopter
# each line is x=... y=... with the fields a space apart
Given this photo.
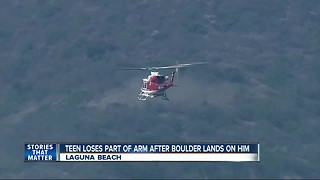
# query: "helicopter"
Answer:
x=156 y=84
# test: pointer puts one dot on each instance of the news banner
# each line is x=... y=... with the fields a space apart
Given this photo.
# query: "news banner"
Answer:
x=140 y=152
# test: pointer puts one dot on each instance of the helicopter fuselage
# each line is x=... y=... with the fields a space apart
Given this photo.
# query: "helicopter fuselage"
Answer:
x=155 y=85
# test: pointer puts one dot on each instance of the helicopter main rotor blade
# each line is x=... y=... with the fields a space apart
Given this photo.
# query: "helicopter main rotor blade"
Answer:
x=134 y=68
x=179 y=65
x=166 y=67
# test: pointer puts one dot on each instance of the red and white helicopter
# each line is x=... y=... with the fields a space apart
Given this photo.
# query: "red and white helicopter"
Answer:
x=155 y=85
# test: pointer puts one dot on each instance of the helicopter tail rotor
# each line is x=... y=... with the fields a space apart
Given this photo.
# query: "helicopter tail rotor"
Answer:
x=172 y=76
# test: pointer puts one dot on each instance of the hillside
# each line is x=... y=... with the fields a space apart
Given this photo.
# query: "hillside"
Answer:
x=60 y=82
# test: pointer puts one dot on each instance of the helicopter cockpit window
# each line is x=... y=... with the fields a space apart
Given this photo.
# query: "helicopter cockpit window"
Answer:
x=161 y=79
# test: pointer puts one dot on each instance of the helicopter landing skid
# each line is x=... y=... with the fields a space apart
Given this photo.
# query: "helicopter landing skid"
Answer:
x=165 y=97
x=142 y=96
